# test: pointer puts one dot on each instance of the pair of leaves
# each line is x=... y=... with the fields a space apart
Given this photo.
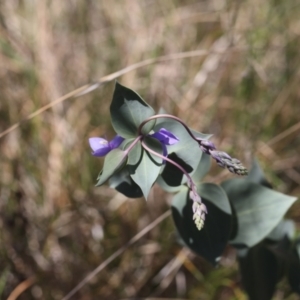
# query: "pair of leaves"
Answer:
x=128 y=110
x=256 y=211
x=137 y=177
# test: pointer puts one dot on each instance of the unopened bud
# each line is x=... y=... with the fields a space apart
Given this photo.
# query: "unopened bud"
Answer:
x=207 y=146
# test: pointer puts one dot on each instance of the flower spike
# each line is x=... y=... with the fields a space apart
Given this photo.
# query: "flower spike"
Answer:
x=222 y=158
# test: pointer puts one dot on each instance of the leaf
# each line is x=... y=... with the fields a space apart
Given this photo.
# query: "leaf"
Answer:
x=186 y=152
x=256 y=175
x=285 y=228
x=258 y=210
x=263 y=265
x=203 y=136
x=170 y=189
x=123 y=183
x=144 y=167
x=260 y=270
x=171 y=178
x=172 y=175
x=203 y=167
x=293 y=272
x=128 y=110
x=211 y=240
x=113 y=161
x=126 y=143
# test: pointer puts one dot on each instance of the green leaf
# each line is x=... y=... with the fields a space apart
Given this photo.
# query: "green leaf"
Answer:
x=128 y=110
x=216 y=195
x=203 y=167
x=144 y=167
x=285 y=228
x=170 y=189
x=126 y=143
x=186 y=153
x=211 y=240
x=257 y=175
x=258 y=209
x=203 y=136
x=172 y=175
x=123 y=183
x=113 y=161
x=293 y=272
x=260 y=270
x=172 y=178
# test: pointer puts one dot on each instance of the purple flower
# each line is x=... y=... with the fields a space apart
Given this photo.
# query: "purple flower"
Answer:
x=101 y=146
x=166 y=138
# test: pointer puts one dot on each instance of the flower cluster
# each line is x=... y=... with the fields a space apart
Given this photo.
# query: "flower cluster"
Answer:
x=222 y=158
x=199 y=209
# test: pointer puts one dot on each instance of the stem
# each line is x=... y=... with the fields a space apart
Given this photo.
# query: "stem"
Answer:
x=190 y=180
x=169 y=117
x=133 y=144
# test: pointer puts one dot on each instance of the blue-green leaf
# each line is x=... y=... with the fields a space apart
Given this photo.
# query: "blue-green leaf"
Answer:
x=186 y=152
x=113 y=161
x=258 y=209
x=144 y=167
x=128 y=110
x=285 y=228
x=261 y=270
x=293 y=272
x=123 y=183
x=200 y=135
x=170 y=189
x=203 y=167
x=211 y=240
x=257 y=175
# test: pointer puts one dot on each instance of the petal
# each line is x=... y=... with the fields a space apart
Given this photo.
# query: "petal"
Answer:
x=97 y=143
x=102 y=151
x=116 y=142
x=165 y=151
x=99 y=146
x=165 y=137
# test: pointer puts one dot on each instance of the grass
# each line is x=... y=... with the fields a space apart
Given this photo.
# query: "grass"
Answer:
x=55 y=225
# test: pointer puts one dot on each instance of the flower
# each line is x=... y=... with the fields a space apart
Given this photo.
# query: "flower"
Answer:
x=199 y=209
x=226 y=161
x=222 y=158
x=101 y=146
x=166 y=138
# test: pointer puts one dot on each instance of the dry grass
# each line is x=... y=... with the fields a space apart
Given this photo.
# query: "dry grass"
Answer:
x=55 y=226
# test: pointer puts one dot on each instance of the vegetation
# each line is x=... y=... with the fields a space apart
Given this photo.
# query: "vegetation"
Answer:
x=235 y=75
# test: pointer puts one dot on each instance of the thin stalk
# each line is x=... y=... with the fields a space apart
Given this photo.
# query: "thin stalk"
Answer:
x=190 y=180
x=133 y=144
x=169 y=117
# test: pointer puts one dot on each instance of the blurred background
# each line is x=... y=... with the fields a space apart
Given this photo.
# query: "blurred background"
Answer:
x=55 y=226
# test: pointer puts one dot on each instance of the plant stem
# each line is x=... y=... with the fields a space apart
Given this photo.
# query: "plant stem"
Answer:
x=169 y=117
x=133 y=144
x=190 y=180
